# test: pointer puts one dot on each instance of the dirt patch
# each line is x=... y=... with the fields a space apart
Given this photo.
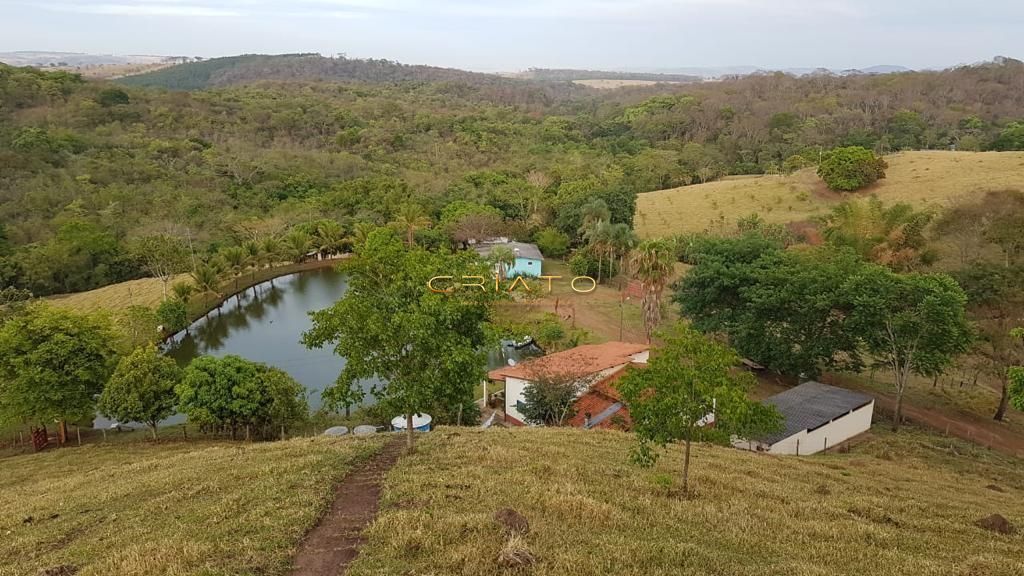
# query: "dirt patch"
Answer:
x=996 y=523
x=334 y=542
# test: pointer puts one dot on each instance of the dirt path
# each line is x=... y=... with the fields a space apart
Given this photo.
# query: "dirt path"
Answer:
x=334 y=542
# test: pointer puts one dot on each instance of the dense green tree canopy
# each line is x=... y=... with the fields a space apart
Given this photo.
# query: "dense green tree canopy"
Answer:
x=851 y=168
x=53 y=364
x=141 y=388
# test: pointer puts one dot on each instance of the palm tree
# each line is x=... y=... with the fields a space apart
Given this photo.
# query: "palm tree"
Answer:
x=207 y=279
x=271 y=248
x=594 y=212
x=409 y=219
x=504 y=258
x=329 y=238
x=598 y=238
x=652 y=264
x=253 y=253
x=621 y=240
x=299 y=244
x=235 y=258
x=183 y=291
x=360 y=232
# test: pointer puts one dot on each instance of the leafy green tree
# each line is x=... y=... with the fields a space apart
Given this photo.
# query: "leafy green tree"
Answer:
x=913 y=323
x=995 y=305
x=138 y=326
x=686 y=380
x=173 y=315
x=851 y=168
x=552 y=243
x=53 y=364
x=423 y=346
x=141 y=388
x=236 y=393
x=652 y=263
x=1010 y=138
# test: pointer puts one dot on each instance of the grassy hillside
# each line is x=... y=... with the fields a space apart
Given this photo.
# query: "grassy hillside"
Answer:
x=924 y=179
x=895 y=505
x=168 y=508
x=147 y=292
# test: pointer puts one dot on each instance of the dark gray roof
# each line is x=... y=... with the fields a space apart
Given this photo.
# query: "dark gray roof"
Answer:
x=812 y=405
x=521 y=249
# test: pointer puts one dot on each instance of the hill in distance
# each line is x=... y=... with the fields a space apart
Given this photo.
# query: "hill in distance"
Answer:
x=250 y=68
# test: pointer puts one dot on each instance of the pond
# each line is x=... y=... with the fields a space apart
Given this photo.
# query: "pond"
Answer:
x=265 y=324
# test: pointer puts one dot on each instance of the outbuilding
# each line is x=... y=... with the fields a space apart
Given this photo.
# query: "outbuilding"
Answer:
x=816 y=417
x=528 y=259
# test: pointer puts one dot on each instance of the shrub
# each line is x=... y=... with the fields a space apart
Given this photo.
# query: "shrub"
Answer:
x=851 y=168
x=172 y=314
x=552 y=243
x=584 y=263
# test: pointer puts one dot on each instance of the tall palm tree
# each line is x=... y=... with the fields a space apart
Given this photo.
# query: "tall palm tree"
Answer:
x=652 y=264
x=271 y=249
x=207 y=279
x=360 y=232
x=235 y=258
x=504 y=258
x=409 y=219
x=299 y=244
x=253 y=253
x=594 y=212
x=329 y=238
x=598 y=238
x=621 y=240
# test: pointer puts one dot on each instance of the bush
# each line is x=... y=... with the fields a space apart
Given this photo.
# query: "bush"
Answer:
x=173 y=315
x=141 y=388
x=552 y=243
x=794 y=163
x=851 y=168
x=583 y=263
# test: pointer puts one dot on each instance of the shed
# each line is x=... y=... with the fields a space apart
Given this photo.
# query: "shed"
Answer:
x=528 y=257
x=816 y=416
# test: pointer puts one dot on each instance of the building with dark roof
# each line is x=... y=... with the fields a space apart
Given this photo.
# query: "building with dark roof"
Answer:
x=815 y=416
x=528 y=259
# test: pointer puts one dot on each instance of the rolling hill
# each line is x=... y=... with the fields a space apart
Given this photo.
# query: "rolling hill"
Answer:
x=924 y=179
x=251 y=68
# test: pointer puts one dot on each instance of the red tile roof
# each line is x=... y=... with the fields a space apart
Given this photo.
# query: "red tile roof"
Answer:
x=600 y=397
x=586 y=359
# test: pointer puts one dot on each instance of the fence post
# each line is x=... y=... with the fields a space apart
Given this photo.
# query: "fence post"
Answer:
x=826 y=443
x=78 y=432
x=797 y=446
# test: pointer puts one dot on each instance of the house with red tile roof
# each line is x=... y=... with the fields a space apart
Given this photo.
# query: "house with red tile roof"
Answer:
x=597 y=366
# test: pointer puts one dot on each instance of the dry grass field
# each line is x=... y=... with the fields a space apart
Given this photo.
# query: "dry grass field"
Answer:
x=924 y=179
x=143 y=292
x=894 y=505
x=170 y=508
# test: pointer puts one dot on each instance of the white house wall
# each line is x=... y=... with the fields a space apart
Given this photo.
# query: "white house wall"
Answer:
x=833 y=433
x=514 y=388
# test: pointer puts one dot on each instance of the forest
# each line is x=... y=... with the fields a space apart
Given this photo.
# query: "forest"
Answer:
x=92 y=171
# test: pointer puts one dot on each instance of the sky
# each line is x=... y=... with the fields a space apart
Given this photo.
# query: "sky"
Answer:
x=510 y=35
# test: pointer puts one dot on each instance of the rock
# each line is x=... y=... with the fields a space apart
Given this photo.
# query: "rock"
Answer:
x=995 y=488
x=996 y=523
x=62 y=570
x=511 y=521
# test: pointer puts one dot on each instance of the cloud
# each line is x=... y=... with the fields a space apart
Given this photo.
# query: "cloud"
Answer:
x=166 y=8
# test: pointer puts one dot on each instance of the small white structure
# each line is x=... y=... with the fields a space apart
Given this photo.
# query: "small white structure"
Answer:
x=816 y=417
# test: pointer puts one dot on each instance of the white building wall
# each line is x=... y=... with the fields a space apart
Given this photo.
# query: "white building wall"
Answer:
x=514 y=388
x=806 y=443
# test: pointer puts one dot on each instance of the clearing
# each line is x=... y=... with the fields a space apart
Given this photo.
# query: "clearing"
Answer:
x=923 y=179
x=901 y=504
x=169 y=508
